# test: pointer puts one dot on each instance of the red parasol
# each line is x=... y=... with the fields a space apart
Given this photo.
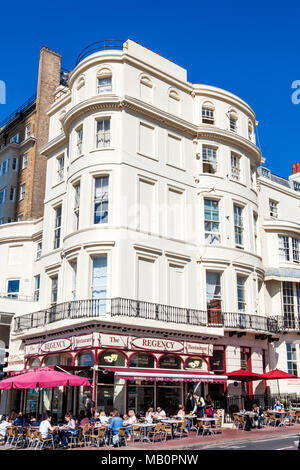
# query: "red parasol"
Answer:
x=43 y=377
x=244 y=376
x=278 y=374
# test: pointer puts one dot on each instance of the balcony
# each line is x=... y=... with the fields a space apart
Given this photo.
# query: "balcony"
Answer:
x=121 y=307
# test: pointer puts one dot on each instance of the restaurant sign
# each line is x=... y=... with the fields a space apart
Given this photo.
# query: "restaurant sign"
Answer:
x=197 y=348
x=114 y=341
x=157 y=344
x=56 y=345
x=60 y=344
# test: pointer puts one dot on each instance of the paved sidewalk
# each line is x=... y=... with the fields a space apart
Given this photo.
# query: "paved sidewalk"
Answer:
x=229 y=435
x=196 y=442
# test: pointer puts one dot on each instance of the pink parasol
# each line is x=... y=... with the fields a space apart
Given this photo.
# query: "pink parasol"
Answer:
x=44 y=377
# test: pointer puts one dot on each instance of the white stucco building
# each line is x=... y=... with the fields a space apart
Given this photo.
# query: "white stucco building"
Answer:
x=157 y=250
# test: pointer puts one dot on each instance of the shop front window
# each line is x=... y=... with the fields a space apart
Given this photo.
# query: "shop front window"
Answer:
x=141 y=395
x=32 y=401
x=85 y=399
x=217 y=361
x=110 y=389
x=169 y=396
x=142 y=360
x=170 y=362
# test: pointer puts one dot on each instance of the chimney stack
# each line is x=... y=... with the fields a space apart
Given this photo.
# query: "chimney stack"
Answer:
x=298 y=167
x=293 y=168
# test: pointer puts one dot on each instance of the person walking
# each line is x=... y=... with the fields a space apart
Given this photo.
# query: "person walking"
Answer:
x=199 y=405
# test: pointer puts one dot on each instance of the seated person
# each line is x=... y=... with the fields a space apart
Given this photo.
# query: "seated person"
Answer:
x=19 y=420
x=149 y=416
x=131 y=417
x=159 y=413
x=278 y=406
x=209 y=411
x=259 y=415
x=4 y=423
x=115 y=424
x=181 y=412
x=95 y=419
x=83 y=420
x=45 y=427
x=70 y=430
x=103 y=418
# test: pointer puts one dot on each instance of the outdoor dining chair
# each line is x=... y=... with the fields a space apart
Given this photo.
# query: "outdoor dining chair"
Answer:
x=98 y=437
x=217 y=425
x=166 y=431
x=182 y=429
x=10 y=436
x=122 y=437
x=157 y=432
x=43 y=442
x=136 y=432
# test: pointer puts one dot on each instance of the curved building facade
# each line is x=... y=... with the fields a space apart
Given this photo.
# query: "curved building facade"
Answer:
x=152 y=252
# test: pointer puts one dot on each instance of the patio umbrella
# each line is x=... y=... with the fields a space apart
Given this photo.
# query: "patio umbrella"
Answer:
x=277 y=374
x=244 y=376
x=43 y=377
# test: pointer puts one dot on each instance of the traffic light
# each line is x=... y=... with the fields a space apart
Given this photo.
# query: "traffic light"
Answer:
x=4 y=363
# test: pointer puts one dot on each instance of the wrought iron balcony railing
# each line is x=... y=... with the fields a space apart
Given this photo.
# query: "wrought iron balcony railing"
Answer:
x=96 y=308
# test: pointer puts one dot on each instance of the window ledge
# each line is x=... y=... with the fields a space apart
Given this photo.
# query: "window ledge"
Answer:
x=101 y=149
x=148 y=156
x=176 y=166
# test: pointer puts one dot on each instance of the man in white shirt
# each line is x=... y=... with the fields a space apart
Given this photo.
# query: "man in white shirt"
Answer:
x=199 y=405
x=160 y=413
x=45 y=427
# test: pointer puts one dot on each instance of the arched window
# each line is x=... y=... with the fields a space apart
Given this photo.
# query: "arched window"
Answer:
x=111 y=358
x=60 y=359
x=146 y=87
x=174 y=102
x=142 y=359
x=32 y=363
x=169 y=361
x=208 y=113
x=85 y=358
x=104 y=81
x=233 y=117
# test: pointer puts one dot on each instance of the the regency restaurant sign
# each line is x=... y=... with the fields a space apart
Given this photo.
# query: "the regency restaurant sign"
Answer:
x=113 y=341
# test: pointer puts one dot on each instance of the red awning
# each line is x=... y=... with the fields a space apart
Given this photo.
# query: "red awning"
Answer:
x=279 y=374
x=244 y=376
x=166 y=375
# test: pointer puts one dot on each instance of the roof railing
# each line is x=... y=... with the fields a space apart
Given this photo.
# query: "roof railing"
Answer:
x=100 y=46
x=18 y=111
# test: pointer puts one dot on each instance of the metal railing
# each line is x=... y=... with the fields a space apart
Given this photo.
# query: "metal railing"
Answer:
x=96 y=308
x=100 y=46
x=17 y=296
x=18 y=111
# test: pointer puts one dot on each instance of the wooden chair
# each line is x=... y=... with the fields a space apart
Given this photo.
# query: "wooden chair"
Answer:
x=98 y=437
x=297 y=417
x=122 y=437
x=236 y=421
x=157 y=432
x=19 y=436
x=182 y=429
x=217 y=425
x=43 y=442
x=10 y=436
x=166 y=430
x=86 y=434
x=136 y=432
x=205 y=429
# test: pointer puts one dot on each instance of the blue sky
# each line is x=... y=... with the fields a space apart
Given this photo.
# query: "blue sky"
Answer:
x=249 y=48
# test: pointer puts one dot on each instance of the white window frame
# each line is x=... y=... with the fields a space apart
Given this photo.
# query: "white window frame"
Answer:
x=27 y=131
x=57 y=227
x=209 y=235
x=60 y=161
x=103 y=136
x=235 y=166
x=24 y=161
x=273 y=208
x=239 y=226
x=79 y=140
x=210 y=158
x=22 y=191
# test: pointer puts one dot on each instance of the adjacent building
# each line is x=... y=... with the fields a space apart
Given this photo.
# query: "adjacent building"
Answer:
x=154 y=264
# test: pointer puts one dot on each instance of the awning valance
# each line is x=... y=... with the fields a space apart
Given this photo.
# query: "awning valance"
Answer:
x=165 y=375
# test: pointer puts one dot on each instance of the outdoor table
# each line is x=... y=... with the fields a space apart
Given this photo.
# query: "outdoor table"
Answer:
x=143 y=428
x=173 y=423
x=281 y=414
x=207 y=420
